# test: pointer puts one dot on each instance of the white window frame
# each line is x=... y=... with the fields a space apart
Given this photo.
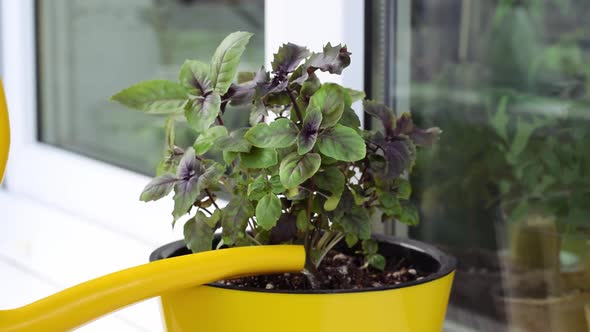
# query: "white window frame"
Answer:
x=108 y=195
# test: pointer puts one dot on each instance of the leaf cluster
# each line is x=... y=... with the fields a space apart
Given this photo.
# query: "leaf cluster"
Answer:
x=304 y=172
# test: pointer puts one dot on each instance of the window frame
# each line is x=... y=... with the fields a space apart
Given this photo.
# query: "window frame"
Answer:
x=104 y=194
x=389 y=28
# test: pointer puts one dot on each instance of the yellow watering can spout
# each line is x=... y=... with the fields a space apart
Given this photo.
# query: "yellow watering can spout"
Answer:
x=75 y=306
x=4 y=133
x=80 y=304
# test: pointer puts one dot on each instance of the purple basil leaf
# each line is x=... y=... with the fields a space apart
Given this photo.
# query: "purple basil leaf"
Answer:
x=186 y=189
x=422 y=137
x=186 y=192
x=300 y=75
x=278 y=87
x=404 y=125
x=194 y=75
x=288 y=58
x=275 y=85
x=333 y=59
x=425 y=137
x=189 y=166
x=378 y=165
x=383 y=113
x=158 y=187
x=193 y=178
x=398 y=154
x=201 y=112
x=309 y=133
x=258 y=112
x=245 y=92
x=285 y=230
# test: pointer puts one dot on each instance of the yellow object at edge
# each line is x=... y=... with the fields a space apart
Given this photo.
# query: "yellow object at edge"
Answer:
x=80 y=304
x=4 y=133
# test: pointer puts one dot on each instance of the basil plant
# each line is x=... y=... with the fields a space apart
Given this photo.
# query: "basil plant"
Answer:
x=303 y=172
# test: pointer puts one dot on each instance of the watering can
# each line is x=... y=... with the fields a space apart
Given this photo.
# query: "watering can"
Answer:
x=85 y=302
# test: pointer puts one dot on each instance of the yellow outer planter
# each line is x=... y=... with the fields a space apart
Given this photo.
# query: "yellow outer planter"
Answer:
x=4 y=132
x=418 y=306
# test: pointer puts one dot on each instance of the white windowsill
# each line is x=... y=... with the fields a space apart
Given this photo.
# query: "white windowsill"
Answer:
x=44 y=250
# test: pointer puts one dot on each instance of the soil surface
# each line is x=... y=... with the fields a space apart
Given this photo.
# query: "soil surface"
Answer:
x=337 y=271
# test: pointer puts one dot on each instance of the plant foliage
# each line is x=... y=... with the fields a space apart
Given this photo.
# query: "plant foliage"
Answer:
x=304 y=172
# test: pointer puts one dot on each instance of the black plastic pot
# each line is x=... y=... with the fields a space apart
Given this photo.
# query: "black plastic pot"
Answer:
x=422 y=256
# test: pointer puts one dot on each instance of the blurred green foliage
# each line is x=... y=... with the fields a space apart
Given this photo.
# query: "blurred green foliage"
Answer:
x=516 y=119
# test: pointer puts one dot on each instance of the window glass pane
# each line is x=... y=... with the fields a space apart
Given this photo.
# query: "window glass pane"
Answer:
x=90 y=49
x=507 y=187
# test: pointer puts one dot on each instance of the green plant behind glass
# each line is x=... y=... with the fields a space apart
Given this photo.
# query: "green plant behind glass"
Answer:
x=523 y=99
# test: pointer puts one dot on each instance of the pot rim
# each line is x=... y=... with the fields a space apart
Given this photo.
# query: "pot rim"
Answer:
x=447 y=264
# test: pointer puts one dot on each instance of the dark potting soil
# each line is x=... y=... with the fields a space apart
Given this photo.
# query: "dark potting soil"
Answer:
x=337 y=271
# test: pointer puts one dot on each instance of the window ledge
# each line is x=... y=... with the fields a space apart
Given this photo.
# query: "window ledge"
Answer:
x=47 y=250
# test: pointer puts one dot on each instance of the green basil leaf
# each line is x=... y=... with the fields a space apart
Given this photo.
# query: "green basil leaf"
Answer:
x=331 y=180
x=194 y=76
x=377 y=261
x=235 y=142
x=404 y=188
x=229 y=157
x=342 y=143
x=276 y=185
x=329 y=99
x=168 y=164
x=281 y=133
x=355 y=95
x=302 y=222
x=234 y=219
x=296 y=169
x=349 y=118
x=170 y=130
x=257 y=188
x=213 y=220
x=268 y=211
x=259 y=158
x=201 y=112
x=356 y=225
x=409 y=215
x=226 y=60
x=370 y=247
x=246 y=76
x=207 y=139
x=390 y=205
x=155 y=97
x=198 y=235
x=309 y=87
